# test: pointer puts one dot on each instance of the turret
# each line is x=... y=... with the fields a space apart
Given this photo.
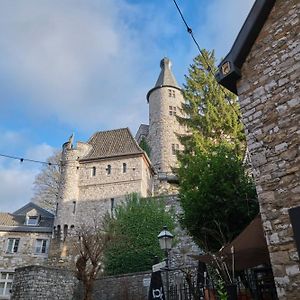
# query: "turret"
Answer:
x=69 y=186
x=165 y=102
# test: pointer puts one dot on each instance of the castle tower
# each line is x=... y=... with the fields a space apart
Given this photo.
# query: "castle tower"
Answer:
x=69 y=187
x=165 y=103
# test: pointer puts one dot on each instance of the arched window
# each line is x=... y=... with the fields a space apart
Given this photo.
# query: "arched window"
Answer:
x=108 y=169
x=65 y=231
x=58 y=232
x=124 y=167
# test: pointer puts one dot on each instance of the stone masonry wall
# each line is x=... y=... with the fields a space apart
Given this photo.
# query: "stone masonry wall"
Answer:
x=270 y=103
x=163 y=126
x=26 y=250
x=35 y=282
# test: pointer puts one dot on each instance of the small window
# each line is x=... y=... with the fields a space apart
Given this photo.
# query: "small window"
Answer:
x=108 y=170
x=32 y=220
x=93 y=171
x=41 y=246
x=12 y=245
x=175 y=148
x=112 y=206
x=6 y=279
x=58 y=231
x=171 y=93
x=172 y=110
x=65 y=231
x=56 y=208
x=124 y=167
x=74 y=207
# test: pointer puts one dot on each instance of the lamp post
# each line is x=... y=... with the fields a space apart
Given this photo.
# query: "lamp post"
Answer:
x=165 y=242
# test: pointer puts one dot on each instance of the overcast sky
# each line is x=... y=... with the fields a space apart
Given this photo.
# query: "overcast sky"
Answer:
x=86 y=65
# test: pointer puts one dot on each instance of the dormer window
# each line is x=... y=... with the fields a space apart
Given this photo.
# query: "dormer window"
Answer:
x=32 y=220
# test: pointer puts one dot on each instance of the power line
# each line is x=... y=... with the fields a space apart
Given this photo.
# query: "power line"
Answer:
x=209 y=69
x=22 y=159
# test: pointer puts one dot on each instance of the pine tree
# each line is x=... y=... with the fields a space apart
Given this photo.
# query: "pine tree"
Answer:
x=212 y=113
x=217 y=195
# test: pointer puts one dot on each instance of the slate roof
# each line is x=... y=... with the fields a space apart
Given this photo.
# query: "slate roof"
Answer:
x=142 y=132
x=16 y=221
x=112 y=143
x=230 y=67
x=165 y=78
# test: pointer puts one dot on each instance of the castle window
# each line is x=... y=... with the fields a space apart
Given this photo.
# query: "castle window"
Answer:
x=171 y=93
x=112 y=206
x=41 y=246
x=6 y=280
x=74 y=207
x=108 y=170
x=172 y=110
x=93 y=171
x=58 y=232
x=124 y=167
x=175 y=148
x=13 y=245
x=65 y=231
x=56 y=208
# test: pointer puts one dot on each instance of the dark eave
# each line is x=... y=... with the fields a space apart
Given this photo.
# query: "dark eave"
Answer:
x=230 y=67
x=158 y=87
x=30 y=229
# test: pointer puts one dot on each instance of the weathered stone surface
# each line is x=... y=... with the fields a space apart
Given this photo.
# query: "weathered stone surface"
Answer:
x=271 y=74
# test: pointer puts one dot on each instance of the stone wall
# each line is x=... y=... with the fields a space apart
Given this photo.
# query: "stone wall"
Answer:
x=26 y=250
x=83 y=191
x=270 y=103
x=35 y=282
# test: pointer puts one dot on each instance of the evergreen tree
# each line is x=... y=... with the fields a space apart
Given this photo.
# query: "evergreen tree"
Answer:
x=212 y=113
x=217 y=195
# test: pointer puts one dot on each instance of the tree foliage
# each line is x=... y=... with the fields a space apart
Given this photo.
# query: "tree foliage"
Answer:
x=217 y=195
x=212 y=113
x=135 y=225
x=145 y=146
x=46 y=184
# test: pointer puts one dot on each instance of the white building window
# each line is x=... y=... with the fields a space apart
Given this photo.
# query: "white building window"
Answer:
x=124 y=167
x=41 y=246
x=32 y=220
x=6 y=279
x=13 y=245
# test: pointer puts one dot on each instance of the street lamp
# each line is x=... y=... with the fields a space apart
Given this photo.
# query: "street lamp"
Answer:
x=165 y=242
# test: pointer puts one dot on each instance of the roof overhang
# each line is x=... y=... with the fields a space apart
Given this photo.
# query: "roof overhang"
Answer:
x=230 y=67
x=29 y=229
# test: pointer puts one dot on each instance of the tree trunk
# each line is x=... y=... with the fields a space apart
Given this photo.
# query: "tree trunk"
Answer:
x=88 y=290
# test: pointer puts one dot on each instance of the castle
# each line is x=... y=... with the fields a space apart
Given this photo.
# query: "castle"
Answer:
x=99 y=174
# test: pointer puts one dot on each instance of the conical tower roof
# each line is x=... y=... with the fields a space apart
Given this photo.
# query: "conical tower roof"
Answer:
x=165 y=78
